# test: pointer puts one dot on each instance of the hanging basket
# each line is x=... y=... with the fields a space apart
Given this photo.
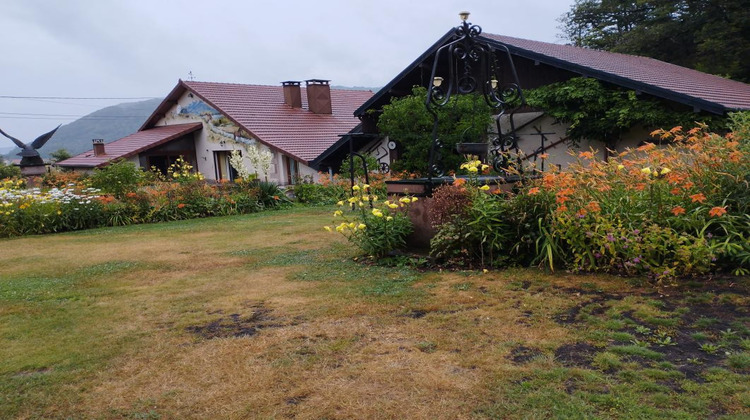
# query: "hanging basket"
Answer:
x=478 y=149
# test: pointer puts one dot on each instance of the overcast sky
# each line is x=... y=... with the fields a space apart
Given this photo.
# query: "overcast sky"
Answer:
x=140 y=48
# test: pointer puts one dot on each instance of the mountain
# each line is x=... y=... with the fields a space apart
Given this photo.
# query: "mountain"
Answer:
x=110 y=123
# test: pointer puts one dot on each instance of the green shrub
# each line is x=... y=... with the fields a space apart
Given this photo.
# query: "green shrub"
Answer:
x=375 y=231
x=270 y=195
x=9 y=170
x=118 y=178
x=317 y=194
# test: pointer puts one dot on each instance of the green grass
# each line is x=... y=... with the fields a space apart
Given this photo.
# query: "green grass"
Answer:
x=102 y=324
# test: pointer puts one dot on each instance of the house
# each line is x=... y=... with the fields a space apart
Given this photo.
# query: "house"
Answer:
x=204 y=122
x=541 y=63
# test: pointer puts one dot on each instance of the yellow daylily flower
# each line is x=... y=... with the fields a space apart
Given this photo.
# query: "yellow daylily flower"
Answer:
x=484 y=187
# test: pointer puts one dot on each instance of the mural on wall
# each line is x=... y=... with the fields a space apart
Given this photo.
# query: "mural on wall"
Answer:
x=220 y=128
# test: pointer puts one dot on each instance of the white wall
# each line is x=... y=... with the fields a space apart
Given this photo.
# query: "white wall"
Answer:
x=562 y=154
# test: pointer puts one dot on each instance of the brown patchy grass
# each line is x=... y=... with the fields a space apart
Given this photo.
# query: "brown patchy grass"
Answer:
x=102 y=324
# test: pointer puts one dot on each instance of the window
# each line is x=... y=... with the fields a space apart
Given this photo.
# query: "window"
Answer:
x=224 y=169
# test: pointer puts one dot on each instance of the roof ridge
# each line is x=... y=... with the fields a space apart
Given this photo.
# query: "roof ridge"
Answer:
x=188 y=82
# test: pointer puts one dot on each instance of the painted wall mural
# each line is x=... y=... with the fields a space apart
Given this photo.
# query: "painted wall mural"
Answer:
x=220 y=128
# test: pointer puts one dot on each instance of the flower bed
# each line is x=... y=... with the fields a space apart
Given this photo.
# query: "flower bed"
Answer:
x=667 y=212
x=78 y=206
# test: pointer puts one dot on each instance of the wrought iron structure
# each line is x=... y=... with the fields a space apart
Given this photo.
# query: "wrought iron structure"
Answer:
x=472 y=67
x=29 y=153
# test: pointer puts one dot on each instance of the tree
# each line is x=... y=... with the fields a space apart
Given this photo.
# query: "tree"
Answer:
x=59 y=155
x=708 y=35
x=406 y=121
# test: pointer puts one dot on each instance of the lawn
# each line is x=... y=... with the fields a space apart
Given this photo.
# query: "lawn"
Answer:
x=268 y=316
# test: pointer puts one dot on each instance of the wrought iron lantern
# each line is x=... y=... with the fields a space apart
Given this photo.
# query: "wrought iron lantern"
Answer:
x=472 y=67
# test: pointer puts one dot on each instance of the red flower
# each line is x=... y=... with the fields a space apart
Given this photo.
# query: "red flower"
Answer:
x=181 y=205
x=534 y=191
x=677 y=210
x=698 y=198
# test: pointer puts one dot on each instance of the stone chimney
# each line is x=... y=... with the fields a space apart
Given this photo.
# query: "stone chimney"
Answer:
x=98 y=147
x=292 y=93
x=319 y=96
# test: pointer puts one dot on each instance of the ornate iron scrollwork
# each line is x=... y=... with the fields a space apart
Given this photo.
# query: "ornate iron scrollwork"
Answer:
x=477 y=59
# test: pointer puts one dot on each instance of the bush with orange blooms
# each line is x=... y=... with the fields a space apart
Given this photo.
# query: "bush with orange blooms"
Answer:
x=666 y=212
x=672 y=211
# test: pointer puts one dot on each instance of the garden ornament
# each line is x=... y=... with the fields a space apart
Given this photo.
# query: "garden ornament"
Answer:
x=29 y=152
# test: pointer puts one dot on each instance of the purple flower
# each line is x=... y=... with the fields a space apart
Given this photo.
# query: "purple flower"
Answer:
x=597 y=255
x=635 y=232
x=625 y=247
x=710 y=235
x=713 y=259
x=636 y=260
x=610 y=237
x=581 y=216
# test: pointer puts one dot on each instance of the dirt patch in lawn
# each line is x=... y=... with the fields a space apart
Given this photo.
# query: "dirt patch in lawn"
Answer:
x=576 y=355
x=523 y=354
x=694 y=329
x=237 y=325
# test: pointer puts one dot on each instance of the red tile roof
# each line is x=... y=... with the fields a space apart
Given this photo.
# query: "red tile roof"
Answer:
x=131 y=145
x=636 y=72
x=261 y=111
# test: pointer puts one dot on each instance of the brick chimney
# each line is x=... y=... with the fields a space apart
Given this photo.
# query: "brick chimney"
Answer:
x=319 y=96
x=98 y=147
x=292 y=93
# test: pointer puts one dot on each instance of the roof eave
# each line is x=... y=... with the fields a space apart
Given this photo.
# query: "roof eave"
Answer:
x=315 y=163
x=382 y=92
x=164 y=106
x=610 y=78
x=198 y=126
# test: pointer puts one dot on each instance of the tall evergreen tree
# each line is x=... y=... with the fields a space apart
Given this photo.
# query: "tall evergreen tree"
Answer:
x=708 y=35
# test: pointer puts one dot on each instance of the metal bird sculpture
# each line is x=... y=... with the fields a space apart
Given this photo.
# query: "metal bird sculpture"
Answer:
x=29 y=153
